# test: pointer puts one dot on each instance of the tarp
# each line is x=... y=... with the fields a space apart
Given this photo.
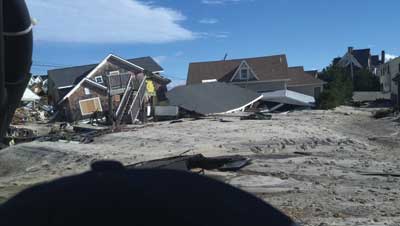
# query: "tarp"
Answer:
x=289 y=97
x=29 y=96
x=212 y=98
x=151 y=90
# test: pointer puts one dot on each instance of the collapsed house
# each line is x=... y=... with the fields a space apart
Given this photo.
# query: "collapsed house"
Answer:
x=262 y=75
x=117 y=89
x=212 y=98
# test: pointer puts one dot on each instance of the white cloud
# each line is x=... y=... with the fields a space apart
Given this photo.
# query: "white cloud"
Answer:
x=160 y=59
x=105 y=21
x=390 y=56
x=208 y=21
x=217 y=35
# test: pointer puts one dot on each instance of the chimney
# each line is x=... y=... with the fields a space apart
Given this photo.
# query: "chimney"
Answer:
x=350 y=49
x=383 y=57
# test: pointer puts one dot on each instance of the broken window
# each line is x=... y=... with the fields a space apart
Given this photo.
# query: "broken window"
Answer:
x=87 y=91
x=99 y=79
x=90 y=106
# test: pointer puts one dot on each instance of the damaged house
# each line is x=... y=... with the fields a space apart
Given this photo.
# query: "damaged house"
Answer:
x=116 y=88
x=270 y=76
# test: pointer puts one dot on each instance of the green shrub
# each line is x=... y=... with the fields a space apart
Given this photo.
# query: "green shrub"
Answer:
x=337 y=91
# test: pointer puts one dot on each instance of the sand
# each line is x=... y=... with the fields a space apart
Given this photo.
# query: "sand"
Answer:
x=324 y=186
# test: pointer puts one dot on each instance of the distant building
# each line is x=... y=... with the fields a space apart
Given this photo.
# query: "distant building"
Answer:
x=360 y=59
x=389 y=75
x=260 y=74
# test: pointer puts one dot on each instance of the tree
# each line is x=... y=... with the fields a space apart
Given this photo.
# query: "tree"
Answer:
x=339 y=88
x=364 y=80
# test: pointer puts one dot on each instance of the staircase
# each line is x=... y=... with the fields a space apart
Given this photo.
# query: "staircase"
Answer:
x=131 y=102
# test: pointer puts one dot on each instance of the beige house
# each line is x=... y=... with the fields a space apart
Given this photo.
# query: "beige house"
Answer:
x=260 y=74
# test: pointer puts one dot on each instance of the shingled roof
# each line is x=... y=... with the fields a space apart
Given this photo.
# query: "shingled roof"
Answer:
x=71 y=76
x=299 y=77
x=265 y=68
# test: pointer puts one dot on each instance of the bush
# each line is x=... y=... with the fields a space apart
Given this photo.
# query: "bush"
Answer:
x=339 y=88
x=364 y=80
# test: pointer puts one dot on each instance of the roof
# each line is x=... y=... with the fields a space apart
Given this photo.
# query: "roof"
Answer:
x=29 y=96
x=298 y=76
x=71 y=76
x=375 y=60
x=349 y=59
x=289 y=97
x=362 y=56
x=313 y=73
x=212 y=98
x=265 y=68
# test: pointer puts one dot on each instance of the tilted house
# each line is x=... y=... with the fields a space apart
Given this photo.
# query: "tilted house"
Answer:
x=114 y=88
x=260 y=74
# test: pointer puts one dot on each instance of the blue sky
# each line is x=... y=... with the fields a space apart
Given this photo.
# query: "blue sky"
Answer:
x=176 y=32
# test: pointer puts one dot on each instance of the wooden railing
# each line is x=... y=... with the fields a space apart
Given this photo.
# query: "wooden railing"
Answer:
x=125 y=99
x=137 y=102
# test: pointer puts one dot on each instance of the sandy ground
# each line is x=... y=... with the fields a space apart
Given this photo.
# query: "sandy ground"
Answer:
x=324 y=187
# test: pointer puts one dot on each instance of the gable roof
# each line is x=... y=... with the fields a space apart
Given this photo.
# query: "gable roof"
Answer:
x=299 y=77
x=349 y=59
x=362 y=56
x=110 y=57
x=65 y=77
x=266 y=68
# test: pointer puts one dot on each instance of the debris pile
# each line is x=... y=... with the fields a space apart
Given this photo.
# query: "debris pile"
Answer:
x=24 y=115
x=195 y=162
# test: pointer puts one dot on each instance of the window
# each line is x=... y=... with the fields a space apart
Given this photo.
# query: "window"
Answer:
x=99 y=79
x=244 y=74
x=90 y=106
x=87 y=91
x=114 y=72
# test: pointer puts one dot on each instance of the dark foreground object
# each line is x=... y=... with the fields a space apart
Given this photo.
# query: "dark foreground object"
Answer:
x=16 y=46
x=111 y=195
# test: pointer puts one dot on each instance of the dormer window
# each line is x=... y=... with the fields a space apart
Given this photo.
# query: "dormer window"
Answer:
x=244 y=74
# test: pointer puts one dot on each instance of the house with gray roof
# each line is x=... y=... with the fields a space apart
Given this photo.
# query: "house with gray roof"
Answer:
x=360 y=59
x=62 y=80
x=114 y=88
x=260 y=74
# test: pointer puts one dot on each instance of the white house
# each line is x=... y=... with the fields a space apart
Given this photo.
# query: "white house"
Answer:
x=389 y=74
